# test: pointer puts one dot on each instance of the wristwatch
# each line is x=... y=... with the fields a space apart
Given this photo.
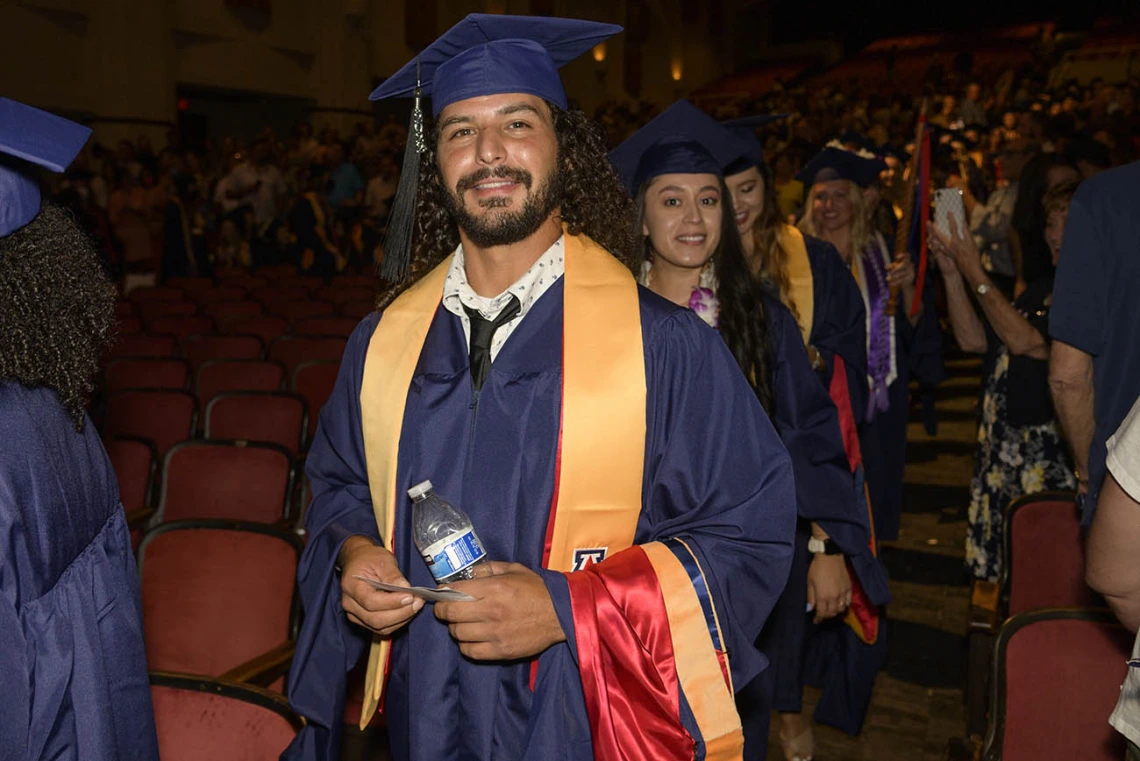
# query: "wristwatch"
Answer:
x=983 y=288
x=823 y=547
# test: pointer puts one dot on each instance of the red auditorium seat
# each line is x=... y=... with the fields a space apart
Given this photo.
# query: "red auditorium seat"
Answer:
x=356 y=281
x=274 y=272
x=315 y=381
x=293 y=350
x=217 y=376
x=156 y=310
x=1044 y=555
x=149 y=293
x=222 y=293
x=217 y=595
x=276 y=417
x=219 y=479
x=1044 y=567
x=144 y=346
x=181 y=327
x=358 y=310
x=343 y=294
x=325 y=326
x=136 y=464
x=206 y=346
x=145 y=372
x=199 y=718
x=294 y=311
x=221 y=311
x=1056 y=676
x=269 y=328
x=126 y=326
x=191 y=287
x=124 y=309
x=163 y=416
x=309 y=283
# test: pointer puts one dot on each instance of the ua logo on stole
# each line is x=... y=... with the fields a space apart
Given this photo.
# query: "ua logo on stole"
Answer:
x=583 y=559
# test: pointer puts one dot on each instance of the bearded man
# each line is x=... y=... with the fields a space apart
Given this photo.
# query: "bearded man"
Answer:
x=72 y=661
x=636 y=503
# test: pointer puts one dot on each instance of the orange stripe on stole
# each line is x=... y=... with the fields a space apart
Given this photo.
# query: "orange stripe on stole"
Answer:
x=602 y=446
x=801 y=282
x=699 y=671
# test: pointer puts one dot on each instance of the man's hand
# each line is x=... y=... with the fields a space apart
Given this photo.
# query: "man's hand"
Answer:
x=512 y=616
x=379 y=612
x=829 y=586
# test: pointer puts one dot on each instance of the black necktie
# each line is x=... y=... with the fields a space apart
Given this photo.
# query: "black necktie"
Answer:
x=482 y=331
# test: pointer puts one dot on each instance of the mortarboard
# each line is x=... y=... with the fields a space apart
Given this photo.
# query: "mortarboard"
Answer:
x=681 y=140
x=484 y=54
x=893 y=151
x=744 y=129
x=29 y=138
x=833 y=163
x=851 y=137
x=488 y=54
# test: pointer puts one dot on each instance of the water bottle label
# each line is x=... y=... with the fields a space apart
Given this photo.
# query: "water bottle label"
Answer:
x=451 y=555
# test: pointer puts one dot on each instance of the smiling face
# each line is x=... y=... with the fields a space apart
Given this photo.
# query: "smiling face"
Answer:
x=498 y=158
x=682 y=218
x=832 y=208
x=747 y=189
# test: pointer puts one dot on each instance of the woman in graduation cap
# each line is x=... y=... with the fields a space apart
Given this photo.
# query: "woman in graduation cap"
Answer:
x=806 y=272
x=72 y=660
x=693 y=256
x=836 y=211
x=619 y=471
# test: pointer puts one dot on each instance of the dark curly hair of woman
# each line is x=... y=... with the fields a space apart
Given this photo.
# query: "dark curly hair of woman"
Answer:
x=594 y=201
x=57 y=309
x=743 y=321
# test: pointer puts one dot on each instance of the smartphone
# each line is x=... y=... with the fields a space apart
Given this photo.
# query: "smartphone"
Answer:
x=948 y=205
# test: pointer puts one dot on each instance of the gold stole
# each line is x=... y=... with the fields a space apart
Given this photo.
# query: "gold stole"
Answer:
x=800 y=282
x=602 y=447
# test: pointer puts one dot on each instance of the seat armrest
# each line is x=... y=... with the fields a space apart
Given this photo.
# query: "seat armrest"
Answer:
x=265 y=668
x=984 y=605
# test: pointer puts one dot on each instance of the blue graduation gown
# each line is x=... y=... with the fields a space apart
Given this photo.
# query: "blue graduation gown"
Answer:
x=827 y=492
x=715 y=473
x=72 y=661
x=839 y=323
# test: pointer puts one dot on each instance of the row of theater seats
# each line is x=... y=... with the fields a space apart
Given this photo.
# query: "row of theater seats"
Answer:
x=1045 y=656
x=207 y=405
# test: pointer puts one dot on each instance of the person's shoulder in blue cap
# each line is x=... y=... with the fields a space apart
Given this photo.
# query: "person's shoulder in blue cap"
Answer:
x=514 y=333
x=70 y=615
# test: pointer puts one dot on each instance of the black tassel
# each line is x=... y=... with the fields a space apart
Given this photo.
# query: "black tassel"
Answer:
x=402 y=218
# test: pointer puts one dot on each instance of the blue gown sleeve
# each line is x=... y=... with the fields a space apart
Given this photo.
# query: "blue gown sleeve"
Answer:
x=839 y=326
x=717 y=476
x=328 y=645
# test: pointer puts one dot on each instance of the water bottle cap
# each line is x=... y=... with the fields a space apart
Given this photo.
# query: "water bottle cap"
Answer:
x=420 y=490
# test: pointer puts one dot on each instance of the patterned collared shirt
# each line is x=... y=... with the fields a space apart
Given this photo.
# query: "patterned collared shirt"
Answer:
x=458 y=293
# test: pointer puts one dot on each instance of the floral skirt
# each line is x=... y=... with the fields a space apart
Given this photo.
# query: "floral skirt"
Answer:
x=1011 y=461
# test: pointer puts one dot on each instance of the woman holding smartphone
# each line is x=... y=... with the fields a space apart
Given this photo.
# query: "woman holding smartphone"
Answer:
x=1020 y=450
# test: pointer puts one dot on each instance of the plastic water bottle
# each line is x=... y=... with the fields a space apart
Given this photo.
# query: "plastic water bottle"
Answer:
x=444 y=536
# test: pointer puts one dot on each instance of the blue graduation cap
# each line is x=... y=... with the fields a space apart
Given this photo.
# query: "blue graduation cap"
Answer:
x=29 y=138
x=681 y=140
x=484 y=54
x=833 y=163
x=744 y=129
x=488 y=54
x=893 y=151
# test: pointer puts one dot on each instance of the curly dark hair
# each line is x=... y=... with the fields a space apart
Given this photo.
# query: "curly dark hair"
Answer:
x=594 y=202
x=57 y=309
x=743 y=320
